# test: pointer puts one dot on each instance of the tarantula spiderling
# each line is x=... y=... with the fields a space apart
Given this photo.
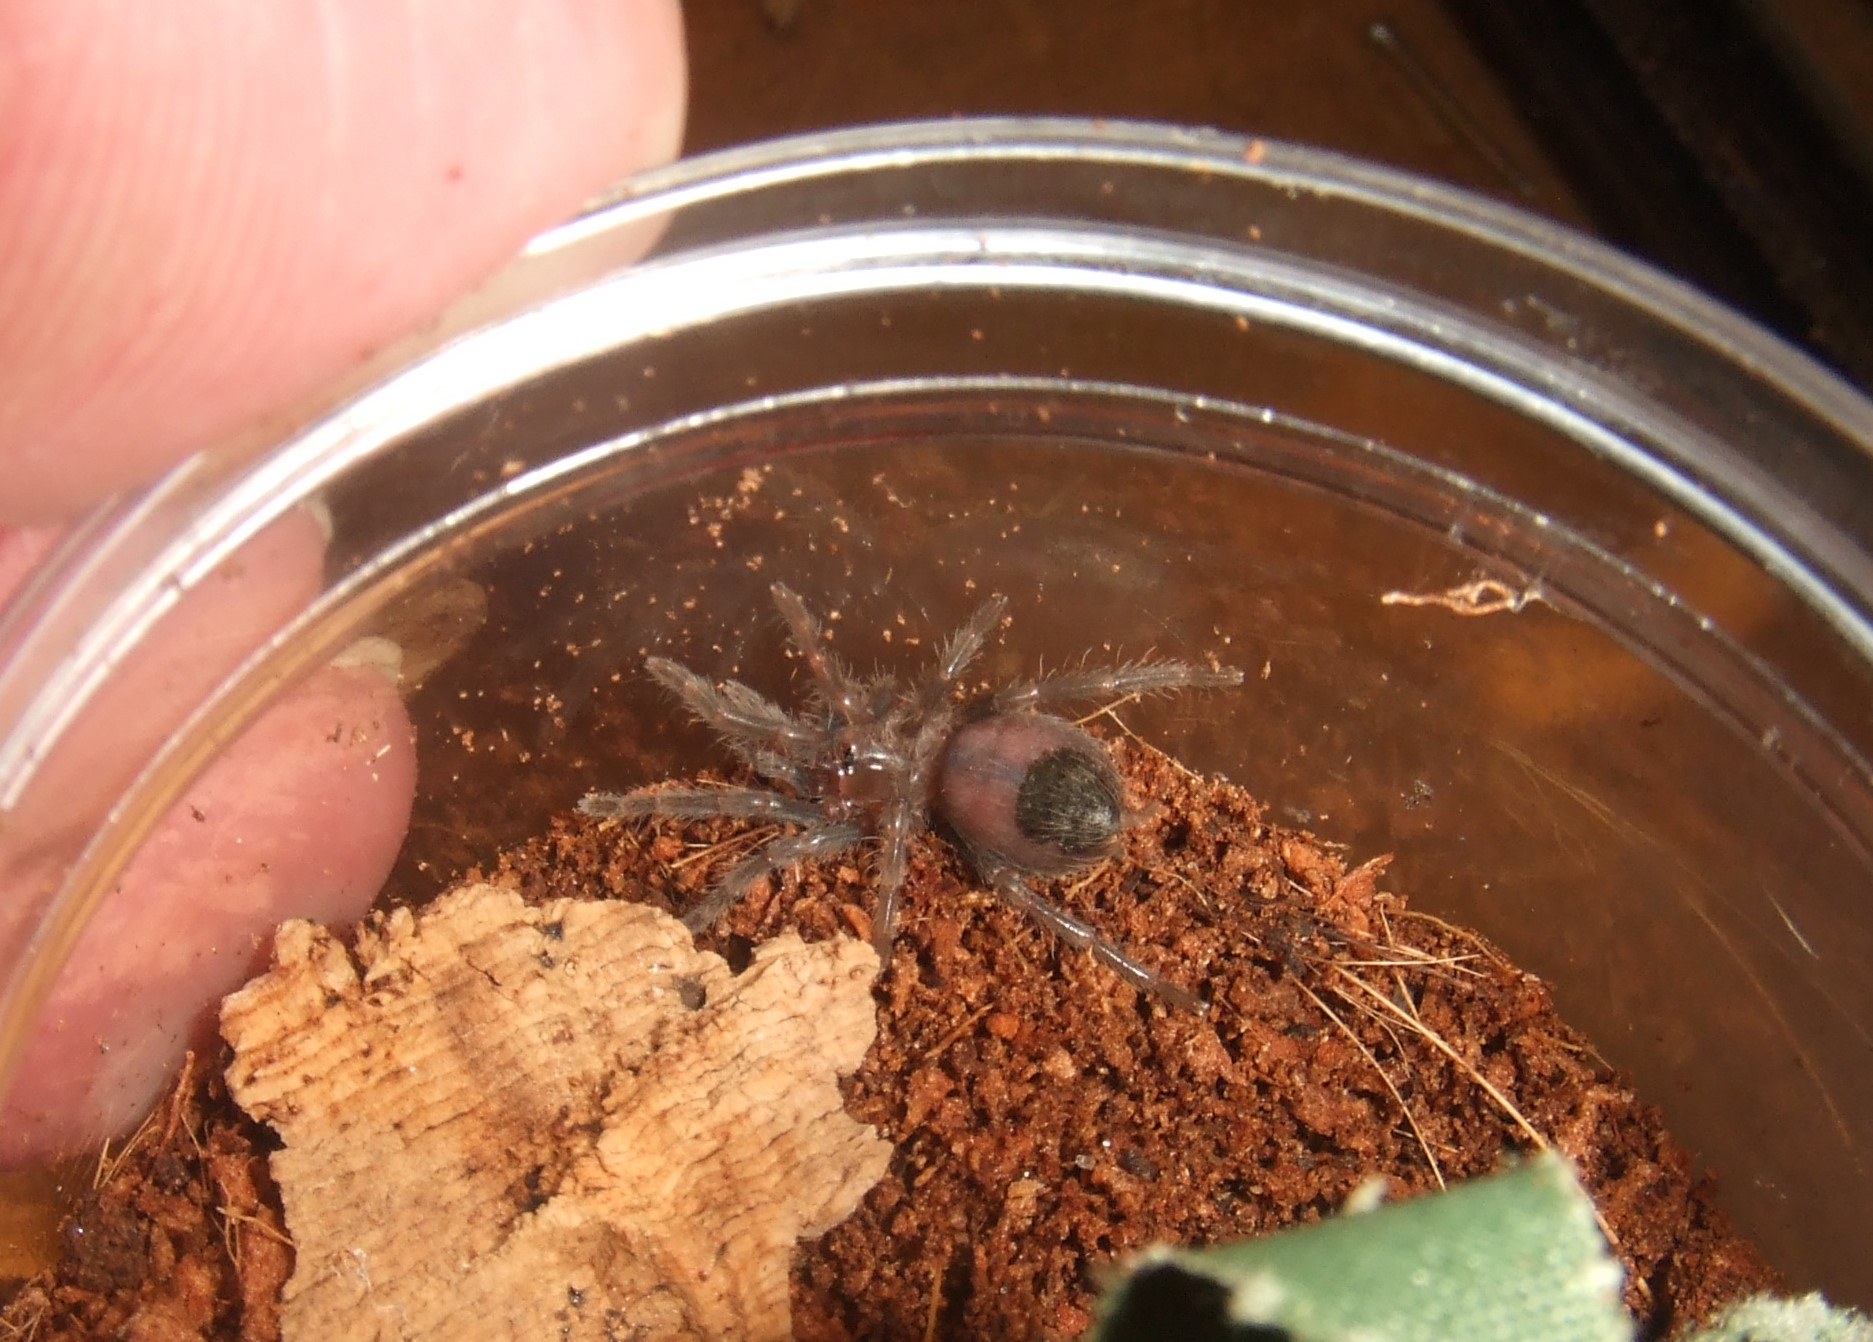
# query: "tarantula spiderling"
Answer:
x=1024 y=792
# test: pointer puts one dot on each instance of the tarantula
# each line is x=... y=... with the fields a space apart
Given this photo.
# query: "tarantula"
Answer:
x=1024 y=793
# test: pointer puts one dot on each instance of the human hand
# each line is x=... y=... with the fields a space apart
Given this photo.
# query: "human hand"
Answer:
x=209 y=209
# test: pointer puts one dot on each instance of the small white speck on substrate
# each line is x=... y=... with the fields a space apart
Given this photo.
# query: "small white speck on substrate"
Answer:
x=1268 y=669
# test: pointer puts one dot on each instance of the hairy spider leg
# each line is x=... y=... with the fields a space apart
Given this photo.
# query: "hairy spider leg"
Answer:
x=845 y=695
x=701 y=803
x=897 y=826
x=1065 y=687
x=761 y=734
x=1071 y=930
x=963 y=646
x=818 y=841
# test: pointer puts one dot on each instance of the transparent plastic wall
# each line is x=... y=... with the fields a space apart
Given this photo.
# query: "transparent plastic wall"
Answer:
x=1551 y=578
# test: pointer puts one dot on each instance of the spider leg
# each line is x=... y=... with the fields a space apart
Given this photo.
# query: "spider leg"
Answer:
x=845 y=695
x=896 y=827
x=700 y=803
x=760 y=732
x=1145 y=677
x=1071 y=930
x=821 y=840
x=966 y=643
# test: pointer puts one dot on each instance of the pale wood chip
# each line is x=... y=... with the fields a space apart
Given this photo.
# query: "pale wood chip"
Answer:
x=503 y=1121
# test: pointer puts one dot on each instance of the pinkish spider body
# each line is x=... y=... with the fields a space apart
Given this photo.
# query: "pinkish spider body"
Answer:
x=1023 y=792
x=1031 y=791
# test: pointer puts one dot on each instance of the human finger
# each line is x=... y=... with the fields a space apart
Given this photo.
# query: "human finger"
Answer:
x=299 y=818
x=210 y=208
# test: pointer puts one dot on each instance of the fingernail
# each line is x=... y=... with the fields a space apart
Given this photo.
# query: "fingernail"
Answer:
x=377 y=653
x=321 y=514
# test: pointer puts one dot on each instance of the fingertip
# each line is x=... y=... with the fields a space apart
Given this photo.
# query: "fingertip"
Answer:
x=211 y=209
x=302 y=817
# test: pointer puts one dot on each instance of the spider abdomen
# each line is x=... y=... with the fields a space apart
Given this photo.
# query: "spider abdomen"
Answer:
x=1030 y=791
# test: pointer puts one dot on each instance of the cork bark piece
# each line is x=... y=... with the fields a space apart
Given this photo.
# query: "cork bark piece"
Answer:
x=557 y=1121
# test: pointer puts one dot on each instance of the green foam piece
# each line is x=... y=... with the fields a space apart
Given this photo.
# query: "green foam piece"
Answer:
x=1516 y=1257
x=1768 y=1319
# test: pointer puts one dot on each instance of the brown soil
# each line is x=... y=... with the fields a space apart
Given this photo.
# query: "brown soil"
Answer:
x=1047 y=1118
x=180 y=1235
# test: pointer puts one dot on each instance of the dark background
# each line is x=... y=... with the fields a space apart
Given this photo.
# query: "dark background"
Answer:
x=1728 y=141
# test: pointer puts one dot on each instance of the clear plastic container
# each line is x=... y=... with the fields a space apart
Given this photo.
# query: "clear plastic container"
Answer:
x=1552 y=578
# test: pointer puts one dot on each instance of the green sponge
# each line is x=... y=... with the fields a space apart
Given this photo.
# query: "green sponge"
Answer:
x=1517 y=1257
